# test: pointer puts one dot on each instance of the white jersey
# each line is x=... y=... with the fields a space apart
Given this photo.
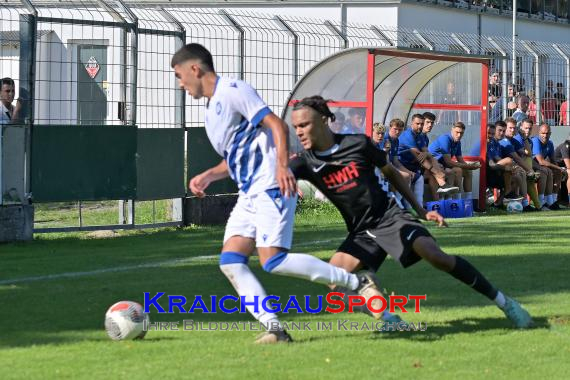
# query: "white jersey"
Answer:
x=233 y=118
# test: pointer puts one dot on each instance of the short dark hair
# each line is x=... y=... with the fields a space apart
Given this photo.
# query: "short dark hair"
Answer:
x=356 y=111
x=317 y=103
x=500 y=123
x=527 y=120
x=8 y=81
x=417 y=116
x=459 y=124
x=193 y=51
x=339 y=116
x=429 y=115
x=490 y=126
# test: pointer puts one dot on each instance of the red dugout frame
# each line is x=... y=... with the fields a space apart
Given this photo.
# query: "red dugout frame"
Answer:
x=368 y=104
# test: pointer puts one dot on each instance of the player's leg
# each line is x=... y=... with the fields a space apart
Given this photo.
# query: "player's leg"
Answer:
x=357 y=252
x=461 y=269
x=467 y=184
x=238 y=245
x=456 y=176
x=274 y=232
x=556 y=179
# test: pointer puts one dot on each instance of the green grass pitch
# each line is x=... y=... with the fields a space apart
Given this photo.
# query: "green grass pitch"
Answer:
x=52 y=327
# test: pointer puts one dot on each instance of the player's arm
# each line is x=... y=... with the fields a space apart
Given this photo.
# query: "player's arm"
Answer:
x=280 y=132
x=520 y=162
x=378 y=158
x=199 y=183
x=466 y=165
x=544 y=162
x=401 y=186
x=398 y=165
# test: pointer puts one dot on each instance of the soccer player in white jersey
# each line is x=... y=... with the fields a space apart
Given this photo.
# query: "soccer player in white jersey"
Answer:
x=253 y=143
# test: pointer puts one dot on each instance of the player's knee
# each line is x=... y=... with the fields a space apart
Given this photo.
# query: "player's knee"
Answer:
x=274 y=261
x=228 y=258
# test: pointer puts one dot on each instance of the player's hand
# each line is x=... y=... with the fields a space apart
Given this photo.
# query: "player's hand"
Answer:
x=198 y=184
x=434 y=216
x=286 y=181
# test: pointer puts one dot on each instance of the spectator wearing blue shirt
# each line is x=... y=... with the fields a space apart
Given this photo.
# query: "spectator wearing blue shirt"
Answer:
x=523 y=148
x=429 y=121
x=414 y=157
x=543 y=154
x=355 y=122
x=448 y=146
x=500 y=173
x=506 y=150
x=392 y=139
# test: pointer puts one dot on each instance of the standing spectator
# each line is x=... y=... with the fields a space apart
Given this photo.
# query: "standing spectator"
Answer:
x=543 y=154
x=495 y=90
x=9 y=112
x=548 y=104
x=447 y=118
x=532 y=107
x=564 y=113
x=522 y=108
x=560 y=99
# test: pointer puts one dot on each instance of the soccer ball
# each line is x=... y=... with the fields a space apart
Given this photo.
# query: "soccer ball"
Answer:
x=515 y=206
x=125 y=320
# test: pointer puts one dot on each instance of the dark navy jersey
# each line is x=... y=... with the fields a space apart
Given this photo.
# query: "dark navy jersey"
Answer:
x=345 y=175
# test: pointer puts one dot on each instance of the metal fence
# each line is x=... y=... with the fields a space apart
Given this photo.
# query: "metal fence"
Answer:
x=107 y=63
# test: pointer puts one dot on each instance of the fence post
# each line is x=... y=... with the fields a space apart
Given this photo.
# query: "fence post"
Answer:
x=383 y=37
x=295 y=37
x=28 y=33
x=338 y=33
x=129 y=118
x=241 y=48
x=505 y=78
x=180 y=105
x=424 y=40
x=567 y=59
x=537 y=84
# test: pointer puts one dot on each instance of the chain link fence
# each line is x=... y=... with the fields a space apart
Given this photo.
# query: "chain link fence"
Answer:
x=107 y=63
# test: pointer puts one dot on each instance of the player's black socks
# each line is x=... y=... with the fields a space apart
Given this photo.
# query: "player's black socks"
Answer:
x=347 y=292
x=466 y=273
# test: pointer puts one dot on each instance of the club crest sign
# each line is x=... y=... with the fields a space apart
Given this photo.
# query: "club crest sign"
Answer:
x=92 y=67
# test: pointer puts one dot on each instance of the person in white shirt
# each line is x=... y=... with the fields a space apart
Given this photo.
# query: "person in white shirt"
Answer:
x=253 y=143
x=8 y=112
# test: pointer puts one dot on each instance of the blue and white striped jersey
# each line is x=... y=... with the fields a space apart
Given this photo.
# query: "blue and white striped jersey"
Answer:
x=233 y=117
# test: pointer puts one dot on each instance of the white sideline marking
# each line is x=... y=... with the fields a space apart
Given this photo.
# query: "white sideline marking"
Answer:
x=127 y=268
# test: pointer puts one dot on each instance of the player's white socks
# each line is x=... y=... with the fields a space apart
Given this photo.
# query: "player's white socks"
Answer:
x=500 y=300
x=418 y=188
x=246 y=284
x=310 y=268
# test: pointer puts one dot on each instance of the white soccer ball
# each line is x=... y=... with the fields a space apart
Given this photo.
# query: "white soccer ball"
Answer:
x=125 y=321
x=515 y=206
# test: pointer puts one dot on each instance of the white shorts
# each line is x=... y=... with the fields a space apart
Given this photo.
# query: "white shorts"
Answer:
x=266 y=217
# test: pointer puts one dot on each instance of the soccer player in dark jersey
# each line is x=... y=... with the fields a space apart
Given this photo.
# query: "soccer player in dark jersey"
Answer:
x=342 y=167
